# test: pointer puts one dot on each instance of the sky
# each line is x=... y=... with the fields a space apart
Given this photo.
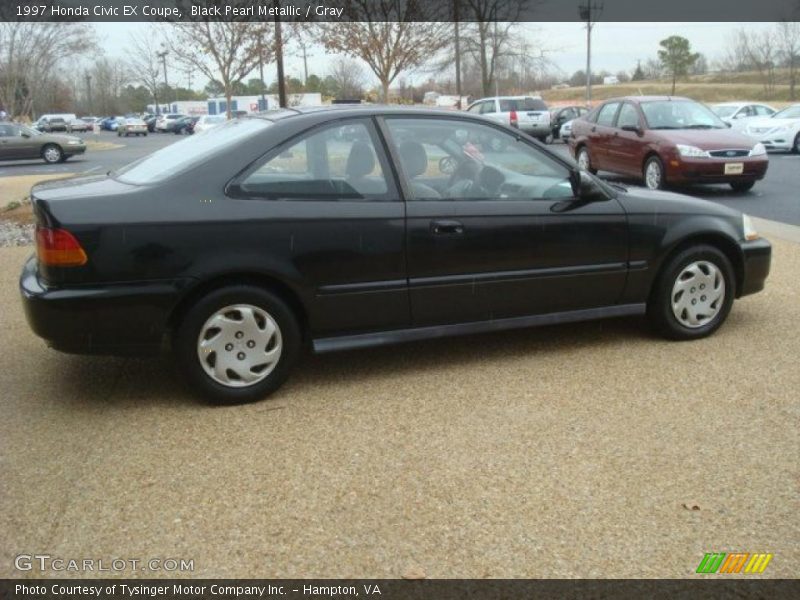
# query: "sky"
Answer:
x=615 y=46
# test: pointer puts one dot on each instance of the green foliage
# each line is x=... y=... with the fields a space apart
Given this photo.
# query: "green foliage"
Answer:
x=676 y=56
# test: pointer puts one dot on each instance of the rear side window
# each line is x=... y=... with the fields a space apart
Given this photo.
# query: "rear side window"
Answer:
x=521 y=104
x=487 y=107
x=336 y=163
x=606 y=115
x=628 y=116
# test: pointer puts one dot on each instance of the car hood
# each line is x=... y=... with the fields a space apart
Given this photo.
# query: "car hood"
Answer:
x=642 y=200
x=767 y=123
x=706 y=139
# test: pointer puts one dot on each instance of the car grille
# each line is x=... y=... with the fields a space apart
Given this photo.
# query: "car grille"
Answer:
x=729 y=153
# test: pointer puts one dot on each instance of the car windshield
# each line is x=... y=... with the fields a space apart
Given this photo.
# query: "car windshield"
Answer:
x=724 y=110
x=680 y=114
x=793 y=112
x=181 y=155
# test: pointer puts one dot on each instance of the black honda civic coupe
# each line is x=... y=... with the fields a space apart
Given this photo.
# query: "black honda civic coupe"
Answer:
x=350 y=227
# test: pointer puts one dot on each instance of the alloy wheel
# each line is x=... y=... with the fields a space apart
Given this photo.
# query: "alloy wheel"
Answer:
x=239 y=345
x=52 y=154
x=698 y=294
x=583 y=160
x=652 y=175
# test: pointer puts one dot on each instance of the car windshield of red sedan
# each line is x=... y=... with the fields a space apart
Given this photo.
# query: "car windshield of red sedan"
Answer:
x=176 y=157
x=680 y=114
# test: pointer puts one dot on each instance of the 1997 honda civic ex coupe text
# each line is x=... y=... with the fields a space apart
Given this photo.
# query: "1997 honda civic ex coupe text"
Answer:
x=356 y=226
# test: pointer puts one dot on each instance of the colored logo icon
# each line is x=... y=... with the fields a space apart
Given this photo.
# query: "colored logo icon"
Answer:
x=736 y=562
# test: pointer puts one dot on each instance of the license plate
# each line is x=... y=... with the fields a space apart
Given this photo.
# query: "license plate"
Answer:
x=734 y=168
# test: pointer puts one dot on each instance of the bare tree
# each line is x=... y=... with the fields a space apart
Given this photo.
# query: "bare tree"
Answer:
x=391 y=37
x=109 y=77
x=761 y=49
x=301 y=36
x=144 y=62
x=223 y=51
x=788 y=42
x=30 y=54
x=348 y=76
x=492 y=39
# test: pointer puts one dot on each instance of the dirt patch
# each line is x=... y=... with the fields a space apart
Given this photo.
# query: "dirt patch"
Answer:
x=95 y=146
x=15 y=204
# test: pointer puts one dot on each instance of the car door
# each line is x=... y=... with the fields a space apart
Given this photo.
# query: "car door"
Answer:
x=600 y=134
x=491 y=110
x=331 y=208
x=500 y=234
x=625 y=147
x=7 y=135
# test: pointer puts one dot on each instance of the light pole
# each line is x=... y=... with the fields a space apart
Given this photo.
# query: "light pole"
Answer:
x=163 y=57
x=279 y=61
x=89 y=92
x=456 y=16
x=589 y=12
x=263 y=103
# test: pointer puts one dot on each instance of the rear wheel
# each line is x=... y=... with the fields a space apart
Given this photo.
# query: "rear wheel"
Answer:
x=237 y=344
x=585 y=161
x=52 y=154
x=742 y=186
x=693 y=294
x=796 y=145
x=654 y=173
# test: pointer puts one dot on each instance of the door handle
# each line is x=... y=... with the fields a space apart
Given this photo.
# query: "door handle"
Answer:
x=446 y=227
x=594 y=129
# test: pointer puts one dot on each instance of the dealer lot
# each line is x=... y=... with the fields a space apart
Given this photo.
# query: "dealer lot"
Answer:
x=565 y=451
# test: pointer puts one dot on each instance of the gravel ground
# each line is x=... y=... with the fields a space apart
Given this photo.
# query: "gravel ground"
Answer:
x=15 y=234
x=589 y=450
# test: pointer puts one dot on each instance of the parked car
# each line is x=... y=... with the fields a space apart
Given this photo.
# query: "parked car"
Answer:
x=565 y=132
x=739 y=114
x=132 y=126
x=111 y=123
x=151 y=123
x=781 y=131
x=54 y=122
x=18 y=142
x=415 y=229
x=167 y=122
x=666 y=141
x=184 y=125
x=78 y=125
x=207 y=122
x=562 y=115
x=526 y=113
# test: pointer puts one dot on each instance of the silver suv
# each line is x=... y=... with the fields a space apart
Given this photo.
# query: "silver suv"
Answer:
x=528 y=113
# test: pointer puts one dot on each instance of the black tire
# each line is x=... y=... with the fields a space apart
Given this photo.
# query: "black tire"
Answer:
x=654 y=162
x=185 y=346
x=52 y=154
x=584 y=149
x=742 y=186
x=659 y=308
x=796 y=144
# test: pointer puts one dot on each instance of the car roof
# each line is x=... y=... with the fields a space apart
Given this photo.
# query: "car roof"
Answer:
x=355 y=110
x=640 y=99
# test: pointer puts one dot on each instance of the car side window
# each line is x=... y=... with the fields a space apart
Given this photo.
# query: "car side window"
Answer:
x=339 y=162
x=476 y=108
x=606 y=115
x=452 y=160
x=628 y=117
x=8 y=131
x=763 y=111
x=487 y=107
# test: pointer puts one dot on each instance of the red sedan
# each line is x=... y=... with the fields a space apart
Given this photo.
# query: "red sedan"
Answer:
x=666 y=140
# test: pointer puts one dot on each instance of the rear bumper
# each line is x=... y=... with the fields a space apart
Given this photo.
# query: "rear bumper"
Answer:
x=535 y=129
x=705 y=170
x=757 y=257
x=126 y=318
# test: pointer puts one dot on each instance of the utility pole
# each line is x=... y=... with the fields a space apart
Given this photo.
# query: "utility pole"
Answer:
x=589 y=12
x=163 y=56
x=263 y=102
x=89 y=92
x=456 y=16
x=279 y=61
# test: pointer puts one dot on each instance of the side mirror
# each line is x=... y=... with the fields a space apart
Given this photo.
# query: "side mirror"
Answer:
x=634 y=128
x=25 y=135
x=729 y=124
x=586 y=188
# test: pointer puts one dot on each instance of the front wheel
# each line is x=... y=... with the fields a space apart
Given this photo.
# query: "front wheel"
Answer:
x=654 y=173
x=693 y=294
x=52 y=154
x=796 y=144
x=237 y=344
x=742 y=186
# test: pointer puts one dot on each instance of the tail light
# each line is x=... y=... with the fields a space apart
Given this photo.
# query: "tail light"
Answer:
x=513 y=118
x=58 y=248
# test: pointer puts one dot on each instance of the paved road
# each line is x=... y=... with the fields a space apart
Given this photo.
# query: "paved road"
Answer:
x=570 y=451
x=775 y=198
